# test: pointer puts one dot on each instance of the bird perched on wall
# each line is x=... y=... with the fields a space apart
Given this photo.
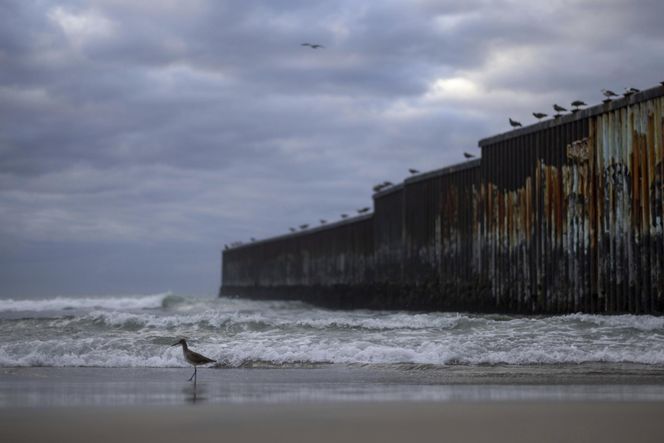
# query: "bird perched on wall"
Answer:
x=413 y=171
x=292 y=229
x=313 y=45
x=559 y=108
x=344 y=215
x=577 y=104
x=514 y=123
x=379 y=187
x=303 y=227
x=468 y=155
x=539 y=115
x=363 y=210
x=253 y=239
x=322 y=221
x=193 y=358
x=608 y=94
x=225 y=247
x=630 y=91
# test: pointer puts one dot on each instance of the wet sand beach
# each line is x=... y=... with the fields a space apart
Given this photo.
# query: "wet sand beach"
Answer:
x=344 y=422
x=573 y=403
x=39 y=387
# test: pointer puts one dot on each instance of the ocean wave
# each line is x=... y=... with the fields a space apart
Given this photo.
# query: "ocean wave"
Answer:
x=138 y=332
x=274 y=354
x=75 y=303
x=256 y=321
x=637 y=322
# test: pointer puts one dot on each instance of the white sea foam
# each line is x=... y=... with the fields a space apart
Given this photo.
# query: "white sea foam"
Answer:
x=71 y=303
x=640 y=322
x=121 y=333
x=217 y=319
x=279 y=352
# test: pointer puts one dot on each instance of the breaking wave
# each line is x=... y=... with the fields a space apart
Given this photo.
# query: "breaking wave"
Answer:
x=75 y=303
x=138 y=331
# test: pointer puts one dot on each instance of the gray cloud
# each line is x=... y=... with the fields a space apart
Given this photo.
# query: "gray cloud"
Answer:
x=145 y=135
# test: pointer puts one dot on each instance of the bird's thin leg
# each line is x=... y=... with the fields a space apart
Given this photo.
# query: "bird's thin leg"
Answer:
x=192 y=375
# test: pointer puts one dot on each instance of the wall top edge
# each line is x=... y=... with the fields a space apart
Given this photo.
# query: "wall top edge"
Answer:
x=447 y=170
x=605 y=107
x=316 y=229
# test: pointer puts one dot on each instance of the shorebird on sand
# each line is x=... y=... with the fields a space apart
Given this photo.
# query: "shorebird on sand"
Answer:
x=192 y=357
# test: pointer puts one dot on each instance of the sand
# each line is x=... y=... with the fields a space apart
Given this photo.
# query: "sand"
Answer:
x=623 y=403
x=343 y=422
x=72 y=387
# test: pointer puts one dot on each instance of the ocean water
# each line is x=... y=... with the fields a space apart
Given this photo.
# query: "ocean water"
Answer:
x=137 y=331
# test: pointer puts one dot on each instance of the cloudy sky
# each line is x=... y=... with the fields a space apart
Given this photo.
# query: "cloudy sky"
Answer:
x=137 y=137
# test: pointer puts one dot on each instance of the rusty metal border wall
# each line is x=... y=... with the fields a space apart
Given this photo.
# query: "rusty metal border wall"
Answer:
x=573 y=211
x=313 y=264
x=392 y=258
x=561 y=216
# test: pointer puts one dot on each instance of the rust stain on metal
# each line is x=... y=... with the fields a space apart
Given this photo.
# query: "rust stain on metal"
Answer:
x=597 y=240
x=565 y=217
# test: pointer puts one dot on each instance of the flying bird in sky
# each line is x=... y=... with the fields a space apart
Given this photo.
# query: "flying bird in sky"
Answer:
x=468 y=155
x=539 y=115
x=515 y=124
x=313 y=45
